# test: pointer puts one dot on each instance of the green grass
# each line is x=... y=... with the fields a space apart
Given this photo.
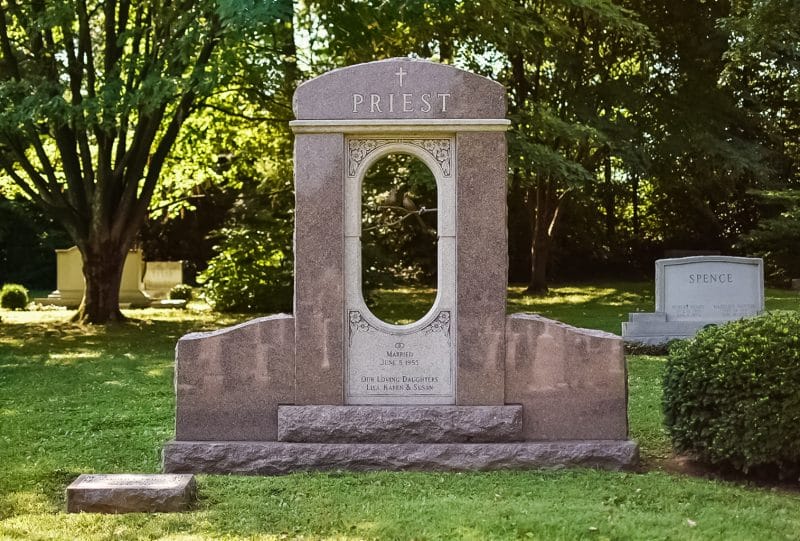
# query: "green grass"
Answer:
x=598 y=306
x=80 y=400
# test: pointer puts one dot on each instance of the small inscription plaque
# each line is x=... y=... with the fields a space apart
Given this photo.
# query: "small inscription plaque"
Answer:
x=391 y=367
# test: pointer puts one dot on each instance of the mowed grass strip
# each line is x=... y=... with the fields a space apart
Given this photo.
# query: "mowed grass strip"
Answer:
x=81 y=400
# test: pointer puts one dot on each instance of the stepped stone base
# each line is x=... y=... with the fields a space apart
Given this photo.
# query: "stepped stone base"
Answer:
x=652 y=328
x=399 y=424
x=275 y=458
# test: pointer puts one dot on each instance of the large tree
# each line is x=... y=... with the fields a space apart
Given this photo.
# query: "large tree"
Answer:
x=569 y=68
x=93 y=94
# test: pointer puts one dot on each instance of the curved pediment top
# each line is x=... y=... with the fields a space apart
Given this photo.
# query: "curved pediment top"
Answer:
x=399 y=88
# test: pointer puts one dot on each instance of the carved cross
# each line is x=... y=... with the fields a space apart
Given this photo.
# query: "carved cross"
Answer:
x=400 y=74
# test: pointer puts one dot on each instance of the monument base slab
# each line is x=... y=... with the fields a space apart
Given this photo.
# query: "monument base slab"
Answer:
x=653 y=329
x=131 y=493
x=276 y=458
x=399 y=424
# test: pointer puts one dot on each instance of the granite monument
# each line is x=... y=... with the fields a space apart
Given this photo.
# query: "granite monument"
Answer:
x=692 y=292
x=465 y=387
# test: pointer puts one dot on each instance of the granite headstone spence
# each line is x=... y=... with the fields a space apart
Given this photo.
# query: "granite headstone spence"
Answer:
x=692 y=292
x=334 y=387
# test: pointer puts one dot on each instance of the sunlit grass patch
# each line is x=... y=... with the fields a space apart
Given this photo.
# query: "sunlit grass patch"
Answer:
x=600 y=306
x=73 y=356
x=402 y=305
x=781 y=299
x=100 y=399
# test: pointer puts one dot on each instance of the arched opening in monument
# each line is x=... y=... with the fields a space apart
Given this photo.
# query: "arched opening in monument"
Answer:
x=399 y=238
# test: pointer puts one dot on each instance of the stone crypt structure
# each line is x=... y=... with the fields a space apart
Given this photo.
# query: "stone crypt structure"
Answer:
x=332 y=386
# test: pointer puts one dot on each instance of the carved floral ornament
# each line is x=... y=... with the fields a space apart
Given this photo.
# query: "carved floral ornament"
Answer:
x=439 y=325
x=359 y=149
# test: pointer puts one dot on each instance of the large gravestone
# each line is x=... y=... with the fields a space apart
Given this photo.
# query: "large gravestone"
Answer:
x=692 y=292
x=333 y=386
x=70 y=282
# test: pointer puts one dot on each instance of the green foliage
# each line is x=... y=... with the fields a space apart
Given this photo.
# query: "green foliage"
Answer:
x=28 y=238
x=13 y=297
x=399 y=221
x=777 y=238
x=251 y=273
x=251 y=270
x=181 y=292
x=730 y=394
x=93 y=96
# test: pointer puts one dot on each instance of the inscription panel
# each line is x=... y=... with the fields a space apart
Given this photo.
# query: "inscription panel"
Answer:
x=713 y=288
x=391 y=367
x=401 y=364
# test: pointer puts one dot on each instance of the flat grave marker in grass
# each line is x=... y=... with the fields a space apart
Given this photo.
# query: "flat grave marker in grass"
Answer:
x=131 y=493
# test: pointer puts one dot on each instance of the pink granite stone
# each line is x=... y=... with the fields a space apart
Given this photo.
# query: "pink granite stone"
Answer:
x=279 y=458
x=399 y=88
x=131 y=493
x=571 y=382
x=230 y=382
x=482 y=255
x=319 y=268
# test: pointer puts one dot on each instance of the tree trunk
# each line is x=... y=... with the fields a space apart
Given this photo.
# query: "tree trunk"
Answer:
x=519 y=232
x=635 y=189
x=540 y=253
x=609 y=201
x=102 y=271
x=544 y=202
x=538 y=201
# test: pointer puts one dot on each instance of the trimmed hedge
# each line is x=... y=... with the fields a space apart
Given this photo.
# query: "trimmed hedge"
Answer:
x=13 y=297
x=732 y=394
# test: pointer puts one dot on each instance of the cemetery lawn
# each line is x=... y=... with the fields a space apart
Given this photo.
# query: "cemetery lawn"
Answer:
x=90 y=400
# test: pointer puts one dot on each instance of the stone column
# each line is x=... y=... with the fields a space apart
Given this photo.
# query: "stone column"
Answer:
x=482 y=267
x=318 y=268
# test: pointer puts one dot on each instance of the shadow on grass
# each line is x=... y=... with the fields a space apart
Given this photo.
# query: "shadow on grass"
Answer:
x=23 y=333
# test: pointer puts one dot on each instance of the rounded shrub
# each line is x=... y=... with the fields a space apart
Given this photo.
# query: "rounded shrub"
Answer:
x=732 y=394
x=13 y=297
x=181 y=292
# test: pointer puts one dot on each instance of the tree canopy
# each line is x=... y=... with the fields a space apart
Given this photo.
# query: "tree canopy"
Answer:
x=638 y=127
x=93 y=95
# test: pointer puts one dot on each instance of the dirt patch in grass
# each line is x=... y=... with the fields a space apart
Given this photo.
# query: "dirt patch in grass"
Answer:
x=686 y=465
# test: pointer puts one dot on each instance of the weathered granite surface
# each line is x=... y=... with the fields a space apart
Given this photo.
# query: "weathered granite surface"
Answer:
x=415 y=92
x=652 y=328
x=482 y=249
x=572 y=382
x=275 y=458
x=693 y=292
x=131 y=493
x=229 y=382
x=384 y=424
x=318 y=268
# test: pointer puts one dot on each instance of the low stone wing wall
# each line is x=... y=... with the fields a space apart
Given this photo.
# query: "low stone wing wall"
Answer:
x=230 y=382
x=571 y=382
